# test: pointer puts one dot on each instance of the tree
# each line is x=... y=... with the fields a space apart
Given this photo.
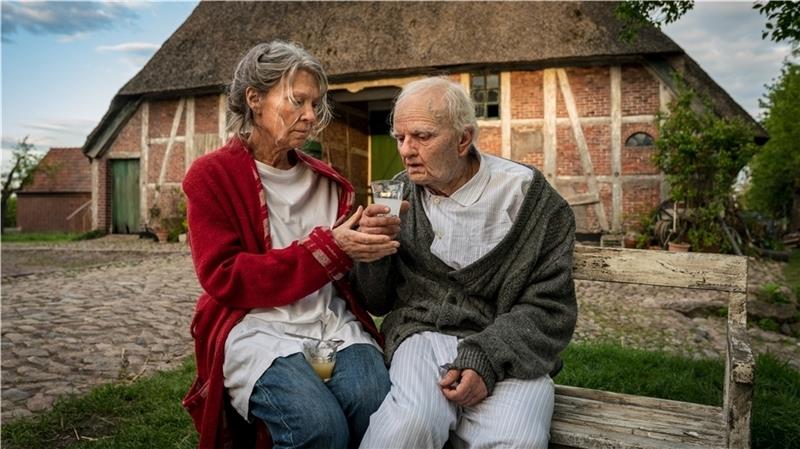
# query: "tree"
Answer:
x=775 y=181
x=24 y=164
x=783 y=17
x=701 y=155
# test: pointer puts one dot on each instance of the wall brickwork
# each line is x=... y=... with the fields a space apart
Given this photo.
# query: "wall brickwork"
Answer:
x=639 y=91
x=489 y=140
x=639 y=197
x=129 y=139
x=162 y=114
x=527 y=98
x=591 y=88
x=206 y=114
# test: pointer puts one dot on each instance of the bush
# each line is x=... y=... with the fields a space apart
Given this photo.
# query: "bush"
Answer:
x=701 y=155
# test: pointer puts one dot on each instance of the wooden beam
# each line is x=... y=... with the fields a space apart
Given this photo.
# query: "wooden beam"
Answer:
x=189 y=148
x=616 y=148
x=464 y=79
x=221 y=123
x=166 y=140
x=383 y=82
x=176 y=121
x=96 y=191
x=583 y=199
x=583 y=148
x=608 y=179
x=549 y=128
x=505 y=114
x=144 y=207
x=648 y=119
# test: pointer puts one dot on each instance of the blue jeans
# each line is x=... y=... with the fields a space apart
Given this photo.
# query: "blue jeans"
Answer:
x=301 y=411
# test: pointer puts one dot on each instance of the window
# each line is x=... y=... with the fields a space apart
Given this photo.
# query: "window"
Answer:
x=485 y=91
x=639 y=140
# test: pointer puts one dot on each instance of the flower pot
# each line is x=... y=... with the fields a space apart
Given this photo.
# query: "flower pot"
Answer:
x=679 y=247
x=162 y=235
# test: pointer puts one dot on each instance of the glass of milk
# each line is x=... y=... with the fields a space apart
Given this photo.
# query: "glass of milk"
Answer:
x=389 y=193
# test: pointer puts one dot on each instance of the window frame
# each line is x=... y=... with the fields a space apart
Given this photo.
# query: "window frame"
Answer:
x=639 y=142
x=485 y=104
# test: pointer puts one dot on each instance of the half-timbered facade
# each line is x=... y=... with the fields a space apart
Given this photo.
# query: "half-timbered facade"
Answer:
x=554 y=88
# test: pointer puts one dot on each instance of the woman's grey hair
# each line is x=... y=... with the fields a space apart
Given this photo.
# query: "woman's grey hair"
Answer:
x=268 y=65
x=458 y=106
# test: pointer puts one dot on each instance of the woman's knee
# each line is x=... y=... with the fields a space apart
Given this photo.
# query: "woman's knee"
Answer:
x=327 y=427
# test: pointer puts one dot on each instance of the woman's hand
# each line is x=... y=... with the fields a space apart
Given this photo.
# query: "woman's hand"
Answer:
x=363 y=246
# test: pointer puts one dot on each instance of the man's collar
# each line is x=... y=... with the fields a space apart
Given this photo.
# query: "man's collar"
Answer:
x=469 y=193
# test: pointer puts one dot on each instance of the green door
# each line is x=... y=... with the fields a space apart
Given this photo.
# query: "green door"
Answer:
x=385 y=159
x=125 y=196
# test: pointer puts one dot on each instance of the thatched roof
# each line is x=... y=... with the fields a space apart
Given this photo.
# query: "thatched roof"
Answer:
x=367 y=40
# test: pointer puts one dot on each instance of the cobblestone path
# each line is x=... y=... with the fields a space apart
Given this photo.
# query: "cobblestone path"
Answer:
x=67 y=330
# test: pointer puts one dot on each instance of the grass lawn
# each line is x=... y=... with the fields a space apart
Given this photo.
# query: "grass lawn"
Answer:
x=147 y=414
x=48 y=236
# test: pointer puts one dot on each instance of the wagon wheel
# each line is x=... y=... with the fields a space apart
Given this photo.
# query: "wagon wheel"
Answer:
x=663 y=231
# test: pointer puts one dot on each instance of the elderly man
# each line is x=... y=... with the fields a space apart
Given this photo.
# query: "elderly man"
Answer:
x=480 y=296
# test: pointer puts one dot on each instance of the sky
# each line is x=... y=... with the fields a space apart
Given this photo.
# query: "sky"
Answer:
x=63 y=62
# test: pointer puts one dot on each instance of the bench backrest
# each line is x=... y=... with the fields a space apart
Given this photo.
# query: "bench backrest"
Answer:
x=701 y=271
x=671 y=269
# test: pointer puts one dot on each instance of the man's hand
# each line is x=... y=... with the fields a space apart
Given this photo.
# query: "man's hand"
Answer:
x=360 y=246
x=470 y=390
x=374 y=220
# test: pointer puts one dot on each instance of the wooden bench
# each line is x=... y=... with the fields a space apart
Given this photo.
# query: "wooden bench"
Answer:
x=585 y=418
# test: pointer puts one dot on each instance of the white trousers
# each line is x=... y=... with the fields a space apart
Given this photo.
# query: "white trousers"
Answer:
x=415 y=414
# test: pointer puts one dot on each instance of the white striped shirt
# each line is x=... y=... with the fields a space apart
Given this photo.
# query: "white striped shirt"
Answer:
x=476 y=217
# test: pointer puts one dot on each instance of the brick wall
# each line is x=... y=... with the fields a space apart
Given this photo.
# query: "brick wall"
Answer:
x=639 y=91
x=489 y=140
x=527 y=98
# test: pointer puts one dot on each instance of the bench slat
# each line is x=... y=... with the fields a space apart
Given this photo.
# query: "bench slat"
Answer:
x=699 y=410
x=588 y=418
x=688 y=270
x=570 y=435
x=667 y=420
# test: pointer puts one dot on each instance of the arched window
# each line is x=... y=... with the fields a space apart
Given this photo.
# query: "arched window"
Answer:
x=639 y=139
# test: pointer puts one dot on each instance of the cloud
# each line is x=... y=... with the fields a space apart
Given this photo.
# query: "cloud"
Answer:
x=44 y=130
x=64 y=18
x=725 y=39
x=133 y=48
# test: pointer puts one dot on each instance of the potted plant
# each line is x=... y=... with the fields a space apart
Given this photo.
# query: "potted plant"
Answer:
x=158 y=227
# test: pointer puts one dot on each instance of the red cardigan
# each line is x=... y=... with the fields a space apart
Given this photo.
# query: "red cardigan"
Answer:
x=238 y=269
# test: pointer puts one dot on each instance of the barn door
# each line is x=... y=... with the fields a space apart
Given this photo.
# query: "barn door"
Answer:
x=125 y=196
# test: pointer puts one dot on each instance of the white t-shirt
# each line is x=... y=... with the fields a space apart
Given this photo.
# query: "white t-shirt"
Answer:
x=473 y=220
x=298 y=200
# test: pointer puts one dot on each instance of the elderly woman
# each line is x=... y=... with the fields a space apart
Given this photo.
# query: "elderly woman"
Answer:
x=271 y=246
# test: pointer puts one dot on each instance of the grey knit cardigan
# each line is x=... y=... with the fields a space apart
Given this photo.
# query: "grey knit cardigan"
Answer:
x=513 y=310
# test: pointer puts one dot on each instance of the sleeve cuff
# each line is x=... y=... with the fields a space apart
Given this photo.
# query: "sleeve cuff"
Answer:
x=325 y=250
x=476 y=360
